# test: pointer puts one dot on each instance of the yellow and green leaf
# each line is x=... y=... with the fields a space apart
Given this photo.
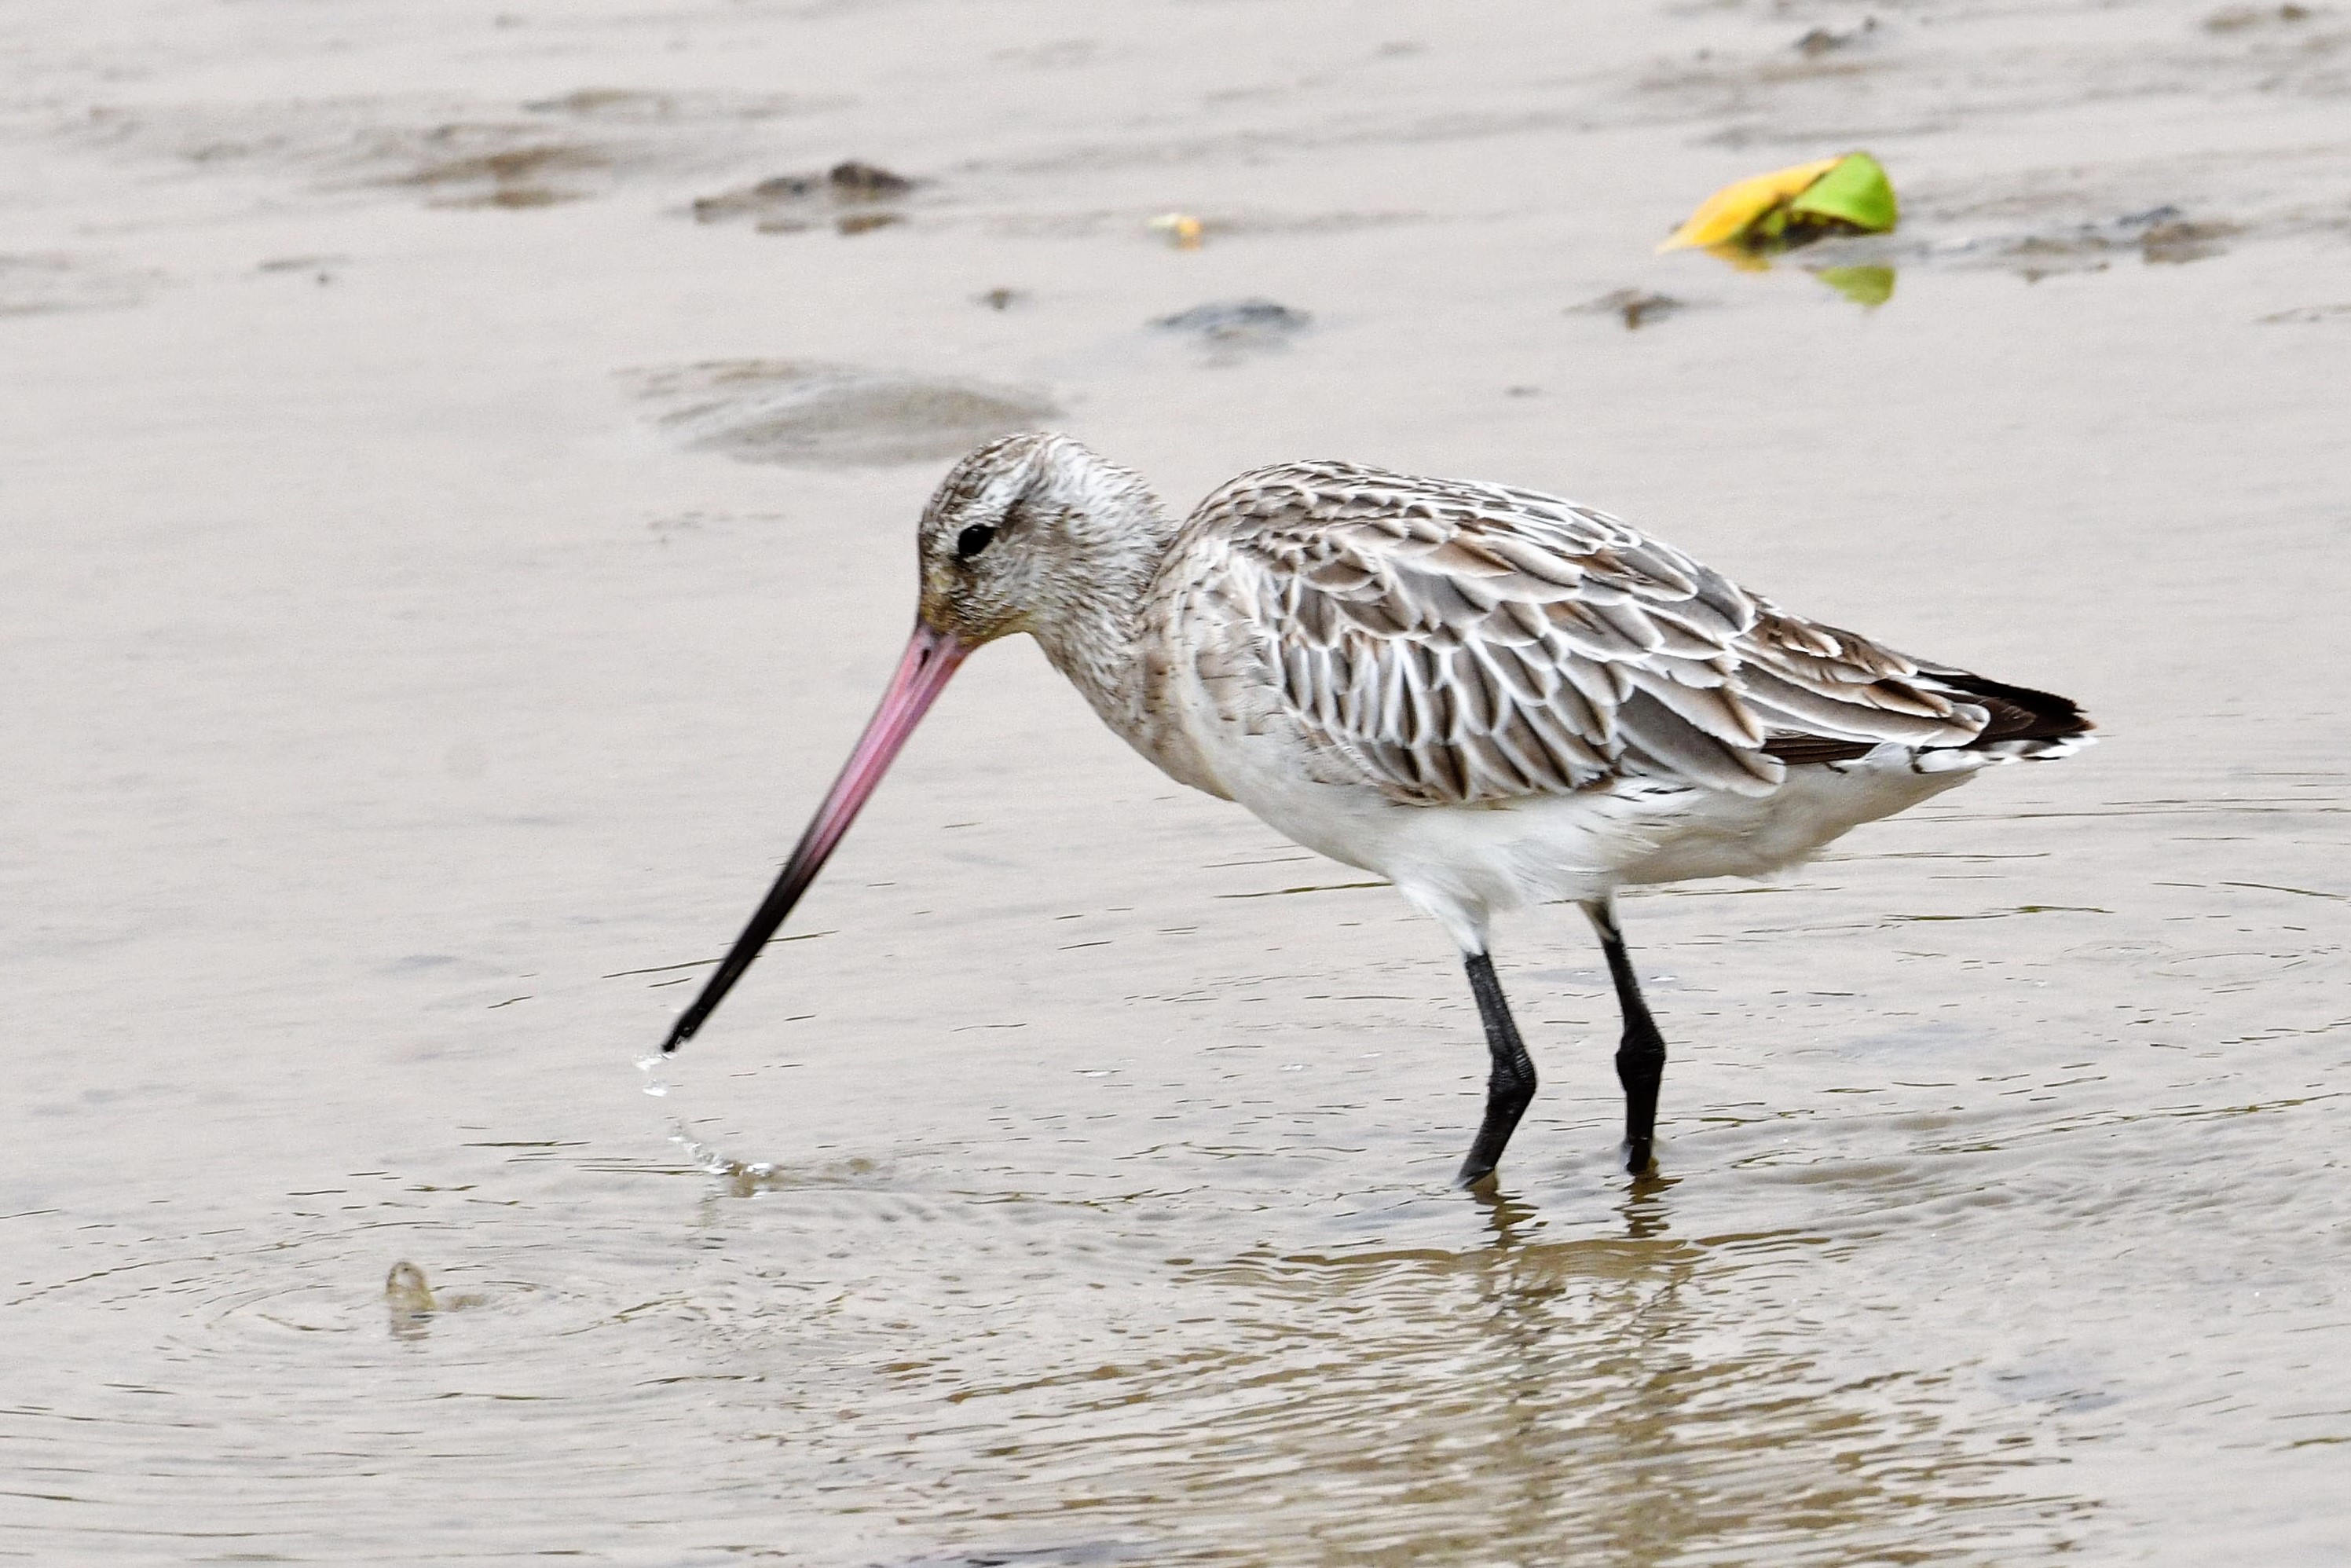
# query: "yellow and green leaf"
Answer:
x=1731 y=211
x=1849 y=192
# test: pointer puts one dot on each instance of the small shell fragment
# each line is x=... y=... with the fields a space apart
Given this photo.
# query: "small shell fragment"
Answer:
x=1182 y=229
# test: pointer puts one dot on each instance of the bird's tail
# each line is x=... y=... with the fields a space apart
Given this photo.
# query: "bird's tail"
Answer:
x=2022 y=723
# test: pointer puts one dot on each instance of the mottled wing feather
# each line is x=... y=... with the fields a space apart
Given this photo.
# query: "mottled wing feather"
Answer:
x=1463 y=642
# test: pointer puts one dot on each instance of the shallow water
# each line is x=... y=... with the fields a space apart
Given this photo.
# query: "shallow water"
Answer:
x=404 y=712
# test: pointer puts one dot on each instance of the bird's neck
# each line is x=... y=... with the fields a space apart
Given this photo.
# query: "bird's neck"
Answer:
x=1091 y=626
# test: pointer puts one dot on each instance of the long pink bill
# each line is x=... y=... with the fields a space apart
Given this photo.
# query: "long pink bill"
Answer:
x=930 y=657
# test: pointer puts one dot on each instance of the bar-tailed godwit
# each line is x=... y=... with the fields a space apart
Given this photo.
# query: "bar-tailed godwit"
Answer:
x=1489 y=696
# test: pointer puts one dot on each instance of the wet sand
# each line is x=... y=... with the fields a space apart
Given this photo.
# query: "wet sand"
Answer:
x=444 y=567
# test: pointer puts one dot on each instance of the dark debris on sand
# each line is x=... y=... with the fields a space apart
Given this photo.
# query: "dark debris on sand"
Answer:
x=1822 y=41
x=853 y=196
x=1635 y=306
x=1238 y=322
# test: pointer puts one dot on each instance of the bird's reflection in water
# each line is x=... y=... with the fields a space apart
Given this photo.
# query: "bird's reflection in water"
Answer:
x=1508 y=1218
x=1644 y=1210
x=1615 y=1401
x=1511 y=1221
x=1595 y=1397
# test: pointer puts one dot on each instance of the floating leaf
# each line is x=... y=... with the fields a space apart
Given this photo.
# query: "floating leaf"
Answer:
x=1855 y=191
x=1729 y=213
x=1848 y=193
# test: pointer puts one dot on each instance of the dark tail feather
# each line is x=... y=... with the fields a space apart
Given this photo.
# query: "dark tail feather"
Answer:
x=2018 y=713
x=2015 y=714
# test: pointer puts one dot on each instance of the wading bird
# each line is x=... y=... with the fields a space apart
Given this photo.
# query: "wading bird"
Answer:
x=1489 y=696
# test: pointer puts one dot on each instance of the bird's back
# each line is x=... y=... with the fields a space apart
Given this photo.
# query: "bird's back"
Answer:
x=1455 y=644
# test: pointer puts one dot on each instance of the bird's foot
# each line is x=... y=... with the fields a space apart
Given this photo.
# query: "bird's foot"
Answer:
x=1641 y=1069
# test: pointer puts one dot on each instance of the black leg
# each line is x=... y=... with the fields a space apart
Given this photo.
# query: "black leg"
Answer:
x=1641 y=1057
x=1512 y=1083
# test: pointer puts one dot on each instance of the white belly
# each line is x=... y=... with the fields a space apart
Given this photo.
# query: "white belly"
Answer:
x=1744 y=835
x=1461 y=862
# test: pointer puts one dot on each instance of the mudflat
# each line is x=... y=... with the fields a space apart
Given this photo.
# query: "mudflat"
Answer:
x=461 y=467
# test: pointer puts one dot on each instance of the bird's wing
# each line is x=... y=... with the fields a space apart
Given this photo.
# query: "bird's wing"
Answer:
x=1464 y=643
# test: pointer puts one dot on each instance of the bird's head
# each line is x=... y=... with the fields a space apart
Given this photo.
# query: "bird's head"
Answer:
x=1022 y=531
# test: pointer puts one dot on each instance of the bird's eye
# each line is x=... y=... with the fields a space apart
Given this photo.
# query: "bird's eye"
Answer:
x=973 y=541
